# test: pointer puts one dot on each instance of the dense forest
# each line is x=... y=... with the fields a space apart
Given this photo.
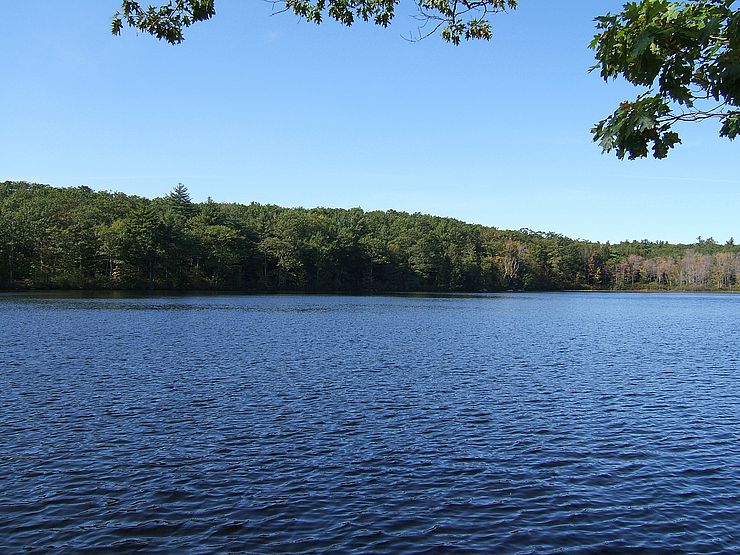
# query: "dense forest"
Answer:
x=79 y=238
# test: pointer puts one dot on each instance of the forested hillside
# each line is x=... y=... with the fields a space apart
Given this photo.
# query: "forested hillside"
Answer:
x=78 y=238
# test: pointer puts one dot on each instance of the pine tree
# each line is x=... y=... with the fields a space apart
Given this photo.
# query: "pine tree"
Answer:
x=179 y=200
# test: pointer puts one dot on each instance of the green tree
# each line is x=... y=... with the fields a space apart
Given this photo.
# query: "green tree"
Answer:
x=140 y=246
x=686 y=54
x=219 y=254
x=180 y=202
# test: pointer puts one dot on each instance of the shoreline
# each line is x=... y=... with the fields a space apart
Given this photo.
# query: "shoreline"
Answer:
x=107 y=293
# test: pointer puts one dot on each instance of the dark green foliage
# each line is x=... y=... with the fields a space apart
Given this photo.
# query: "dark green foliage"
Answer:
x=164 y=22
x=78 y=238
x=687 y=54
x=179 y=201
x=455 y=19
x=633 y=126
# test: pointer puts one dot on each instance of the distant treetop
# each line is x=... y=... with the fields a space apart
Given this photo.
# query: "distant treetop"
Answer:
x=180 y=200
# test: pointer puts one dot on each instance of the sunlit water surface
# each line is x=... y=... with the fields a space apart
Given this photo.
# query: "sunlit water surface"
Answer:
x=529 y=423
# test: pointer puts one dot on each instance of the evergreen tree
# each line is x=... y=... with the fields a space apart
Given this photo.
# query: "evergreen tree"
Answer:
x=180 y=202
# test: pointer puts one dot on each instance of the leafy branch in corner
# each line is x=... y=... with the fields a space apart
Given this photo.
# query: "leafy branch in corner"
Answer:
x=687 y=54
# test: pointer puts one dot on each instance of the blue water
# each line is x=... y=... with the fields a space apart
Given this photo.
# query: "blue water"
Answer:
x=522 y=423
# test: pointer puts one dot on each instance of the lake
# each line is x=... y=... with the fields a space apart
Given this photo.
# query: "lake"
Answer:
x=513 y=423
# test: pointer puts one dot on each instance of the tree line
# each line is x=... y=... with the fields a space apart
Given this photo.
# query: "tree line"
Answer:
x=77 y=238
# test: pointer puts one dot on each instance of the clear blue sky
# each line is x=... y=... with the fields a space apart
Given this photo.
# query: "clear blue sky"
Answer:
x=255 y=107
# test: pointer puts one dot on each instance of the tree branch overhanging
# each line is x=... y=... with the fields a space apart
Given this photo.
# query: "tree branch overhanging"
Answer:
x=685 y=53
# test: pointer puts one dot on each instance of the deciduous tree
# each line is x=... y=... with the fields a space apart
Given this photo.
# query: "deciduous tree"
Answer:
x=686 y=54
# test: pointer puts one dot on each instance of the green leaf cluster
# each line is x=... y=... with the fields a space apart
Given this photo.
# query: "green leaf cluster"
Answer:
x=686 y=53
x=634 y=126
x=454 y=19
x=166 y=22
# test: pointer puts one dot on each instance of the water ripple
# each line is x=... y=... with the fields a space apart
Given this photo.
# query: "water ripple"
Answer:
x=503 y=424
